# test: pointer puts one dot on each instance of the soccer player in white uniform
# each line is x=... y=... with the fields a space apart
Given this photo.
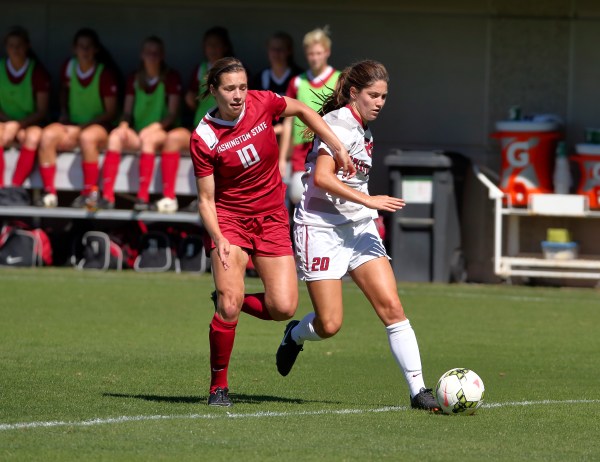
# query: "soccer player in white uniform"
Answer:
x=335 y=232
x=240 y=200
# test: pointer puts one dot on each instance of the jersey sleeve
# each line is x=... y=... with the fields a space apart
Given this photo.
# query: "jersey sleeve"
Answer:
x=108 y=83
x=173 y=83
x=344 y=133
x=292 y=89
x=276 y=103
x=130 y=85
x=202 y=158
x=40 y=79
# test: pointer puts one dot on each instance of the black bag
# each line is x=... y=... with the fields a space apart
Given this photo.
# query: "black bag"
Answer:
x=190 y=255
x=155 y=253
x=96 y=251
x=22 y=248
x=14 y=196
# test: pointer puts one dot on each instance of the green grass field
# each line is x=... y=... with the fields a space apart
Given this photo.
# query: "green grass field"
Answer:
x=114 y=366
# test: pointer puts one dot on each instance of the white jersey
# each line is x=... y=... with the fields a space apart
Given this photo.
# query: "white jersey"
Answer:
x=320 y=208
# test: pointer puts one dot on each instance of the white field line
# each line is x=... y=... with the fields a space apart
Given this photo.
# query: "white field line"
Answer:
x=261 y=414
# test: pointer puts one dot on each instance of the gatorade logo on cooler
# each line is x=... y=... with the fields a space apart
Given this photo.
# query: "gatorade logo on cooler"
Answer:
x=593 y=179
x=517 y=154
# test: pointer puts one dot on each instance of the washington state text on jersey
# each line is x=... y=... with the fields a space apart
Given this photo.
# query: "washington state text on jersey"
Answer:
x=240 y=139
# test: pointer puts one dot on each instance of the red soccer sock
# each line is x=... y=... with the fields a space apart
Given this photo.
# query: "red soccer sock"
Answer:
x=91 y=172
x=146 y=170
x=221 y=337
x=48 y=172
x=169 y=163
x=110 y=168
x=1 y=166
x=24 y=166
x=254 y=305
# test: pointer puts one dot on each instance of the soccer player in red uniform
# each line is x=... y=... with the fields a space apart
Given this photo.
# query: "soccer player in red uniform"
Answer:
x=88 y=100
x=151 y=110
x=24 y=90
x=241 y=202
x=335 y=232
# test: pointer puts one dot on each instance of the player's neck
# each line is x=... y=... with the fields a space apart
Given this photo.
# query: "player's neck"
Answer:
x=279 y=69
x=316 y=72
x=18 y=62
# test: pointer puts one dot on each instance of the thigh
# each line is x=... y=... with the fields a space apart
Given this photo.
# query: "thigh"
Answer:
x=69 y=137
x=376 y=279
x=178 y=139
x=279 y=277
x=9 y=132
x=229 y=282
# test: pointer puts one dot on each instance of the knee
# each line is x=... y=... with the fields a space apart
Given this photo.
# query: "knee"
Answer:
x=50 y=136
x=114 y=141
x=229 y=305
x=328 y=327
x=284 y=310
x=391 y=311
x=33 y=137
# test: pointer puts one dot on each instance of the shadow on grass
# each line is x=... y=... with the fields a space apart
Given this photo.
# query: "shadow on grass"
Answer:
x=236 y=398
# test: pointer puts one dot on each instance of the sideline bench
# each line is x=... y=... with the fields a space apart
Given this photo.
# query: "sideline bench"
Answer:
x=69 y=177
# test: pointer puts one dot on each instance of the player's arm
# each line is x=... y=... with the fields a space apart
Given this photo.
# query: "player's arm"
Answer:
x=285 y=143
x=325 y=177
x=41 y=110
x=173 y=109
x=319 y=127
x=208 y=213
x=128 y=109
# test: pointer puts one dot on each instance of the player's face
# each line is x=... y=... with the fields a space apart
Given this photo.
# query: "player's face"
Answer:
x=231 y=94
x=16 y=49
x=278 y=52
x=152 y=56
x=317 y=56
x=214 y=49
x=370 y=100
x=85 y=50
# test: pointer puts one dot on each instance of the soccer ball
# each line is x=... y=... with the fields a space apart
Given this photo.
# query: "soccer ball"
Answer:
x=459 y=392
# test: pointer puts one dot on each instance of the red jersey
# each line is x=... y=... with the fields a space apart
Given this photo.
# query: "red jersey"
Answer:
x=243 y=156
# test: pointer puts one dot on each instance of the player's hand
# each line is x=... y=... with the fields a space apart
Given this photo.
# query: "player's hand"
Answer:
x=387 y=203
x=345 y=163
x=282 y=168
x=223 y=249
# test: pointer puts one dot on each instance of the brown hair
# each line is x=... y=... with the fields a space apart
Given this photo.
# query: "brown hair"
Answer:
x=359 y=75
x=221 y=66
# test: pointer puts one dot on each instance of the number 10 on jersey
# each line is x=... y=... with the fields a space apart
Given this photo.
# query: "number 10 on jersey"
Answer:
x=248 y=155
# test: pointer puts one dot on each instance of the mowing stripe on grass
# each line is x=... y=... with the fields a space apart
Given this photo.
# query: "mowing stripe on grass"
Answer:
x=229 y=415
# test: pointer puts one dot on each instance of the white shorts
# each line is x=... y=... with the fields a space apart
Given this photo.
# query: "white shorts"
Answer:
x=329 y=253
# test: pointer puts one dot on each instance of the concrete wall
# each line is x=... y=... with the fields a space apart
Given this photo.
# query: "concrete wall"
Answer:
x=456 y=67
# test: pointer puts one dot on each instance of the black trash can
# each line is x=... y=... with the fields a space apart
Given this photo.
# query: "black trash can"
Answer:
x=425 y=236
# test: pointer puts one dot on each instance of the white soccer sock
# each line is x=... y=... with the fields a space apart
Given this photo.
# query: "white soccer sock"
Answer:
x=305 y=330
x=405 y=349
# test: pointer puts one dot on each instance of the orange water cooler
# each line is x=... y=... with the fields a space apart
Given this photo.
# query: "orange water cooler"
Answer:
x=528 y=153
x=588 y=159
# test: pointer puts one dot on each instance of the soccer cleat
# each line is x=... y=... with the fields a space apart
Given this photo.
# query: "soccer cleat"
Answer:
x=167 y=205
x=220 y=397
x=79 y=202
x=49 y=200
x=288 y=350
x=425 y=400
x=141 y=205
x=105 y=204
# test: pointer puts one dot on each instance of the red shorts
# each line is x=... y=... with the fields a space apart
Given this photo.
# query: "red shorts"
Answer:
x=267 y=236
x=299 y=156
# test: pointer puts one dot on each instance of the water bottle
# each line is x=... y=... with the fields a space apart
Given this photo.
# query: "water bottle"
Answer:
x=562 y=171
